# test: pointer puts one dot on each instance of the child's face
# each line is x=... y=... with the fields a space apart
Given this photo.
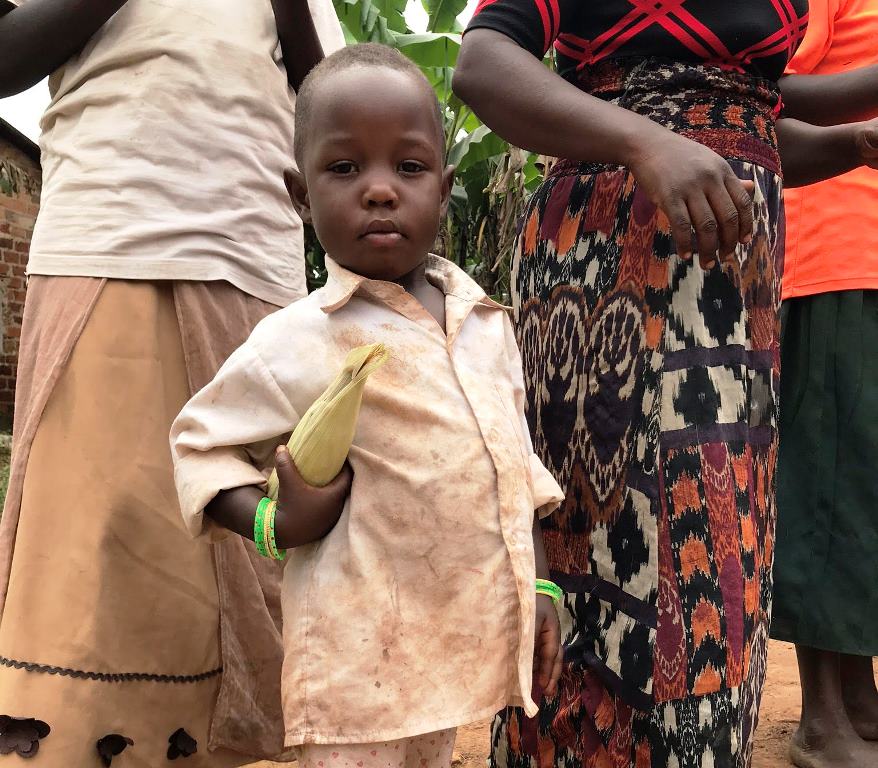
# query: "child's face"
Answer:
x=373 y=180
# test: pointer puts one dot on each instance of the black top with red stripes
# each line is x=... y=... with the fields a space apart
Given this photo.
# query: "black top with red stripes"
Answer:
x=755 y=36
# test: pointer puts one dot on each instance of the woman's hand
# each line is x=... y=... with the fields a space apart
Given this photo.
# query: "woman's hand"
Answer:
x=696 y=189
x=548 y=652
x=305 y=513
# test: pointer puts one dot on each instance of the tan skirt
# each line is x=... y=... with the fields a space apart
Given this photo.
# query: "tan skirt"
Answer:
x=112 y=614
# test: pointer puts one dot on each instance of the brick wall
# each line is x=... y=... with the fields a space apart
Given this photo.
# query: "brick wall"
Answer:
x=19 y=201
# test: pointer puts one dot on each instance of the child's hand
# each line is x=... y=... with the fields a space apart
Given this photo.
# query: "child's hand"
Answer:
x=548 y=653
x=305 y=513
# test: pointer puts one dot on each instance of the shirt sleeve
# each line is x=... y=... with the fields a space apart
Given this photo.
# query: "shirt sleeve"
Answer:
x=533 y=24
x=225 y=435
x=822 y=15
x=547 y=494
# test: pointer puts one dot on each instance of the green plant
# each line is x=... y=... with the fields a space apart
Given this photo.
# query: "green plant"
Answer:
x=493 y=179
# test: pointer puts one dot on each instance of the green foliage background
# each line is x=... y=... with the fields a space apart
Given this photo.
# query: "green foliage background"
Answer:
x=493 y=179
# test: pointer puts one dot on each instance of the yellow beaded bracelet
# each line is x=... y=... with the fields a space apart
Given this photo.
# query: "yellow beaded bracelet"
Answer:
x=271 y=544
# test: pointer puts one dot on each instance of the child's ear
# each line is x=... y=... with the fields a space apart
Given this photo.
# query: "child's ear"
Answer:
x=447 y=185
x=298 y=191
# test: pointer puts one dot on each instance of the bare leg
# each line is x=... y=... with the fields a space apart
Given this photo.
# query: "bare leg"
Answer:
x=860 y=694
x=826 y=738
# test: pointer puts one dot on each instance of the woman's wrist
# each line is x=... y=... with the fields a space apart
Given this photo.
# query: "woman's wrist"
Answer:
x=638 y=137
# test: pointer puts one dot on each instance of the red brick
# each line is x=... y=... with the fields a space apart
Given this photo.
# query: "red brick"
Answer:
x=22 y=247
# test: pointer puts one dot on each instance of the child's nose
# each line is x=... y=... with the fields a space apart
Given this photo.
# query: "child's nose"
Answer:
x=380 y=193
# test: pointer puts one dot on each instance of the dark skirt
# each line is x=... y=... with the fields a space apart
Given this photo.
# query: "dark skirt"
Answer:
x=651 y=396
x=826 y=569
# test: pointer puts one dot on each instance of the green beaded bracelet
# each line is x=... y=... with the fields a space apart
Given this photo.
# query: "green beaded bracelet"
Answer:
x=259 y=527
x=551 y=589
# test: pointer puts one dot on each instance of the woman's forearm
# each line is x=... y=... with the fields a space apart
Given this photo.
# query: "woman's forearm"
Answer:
x=298 y=37
x=532 y=108
x=39 y=36
x=832 y=99
x=811 y=153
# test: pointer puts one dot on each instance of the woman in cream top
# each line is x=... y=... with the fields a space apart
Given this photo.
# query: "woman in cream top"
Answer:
x=164 y=236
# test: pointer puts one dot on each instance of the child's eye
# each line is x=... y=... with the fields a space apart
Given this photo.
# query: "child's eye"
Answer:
x=343 y=168
x=411 y=166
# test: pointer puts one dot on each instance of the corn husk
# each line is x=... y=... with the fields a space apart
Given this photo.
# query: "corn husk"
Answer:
x=321 y=441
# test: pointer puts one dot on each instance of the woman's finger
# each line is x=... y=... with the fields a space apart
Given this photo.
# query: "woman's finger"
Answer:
x=741 y=192
x=681 y=227
x=706 y=228
x=728 y=219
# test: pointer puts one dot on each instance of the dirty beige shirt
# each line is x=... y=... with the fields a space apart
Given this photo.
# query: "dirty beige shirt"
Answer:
x=164 y=145
x=416 y=613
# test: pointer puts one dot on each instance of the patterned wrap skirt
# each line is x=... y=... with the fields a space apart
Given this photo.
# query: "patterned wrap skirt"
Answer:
x=652 y=396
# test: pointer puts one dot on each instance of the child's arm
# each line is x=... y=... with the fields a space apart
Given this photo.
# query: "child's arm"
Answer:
x=298 y=39
x=811 y=153
x=41 y=35
x=548 y=651
x=224 y=441
x=304 y=513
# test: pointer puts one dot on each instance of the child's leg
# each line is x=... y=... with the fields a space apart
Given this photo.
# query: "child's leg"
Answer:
x=431 y=750
x=860 y=694
x=826 y=738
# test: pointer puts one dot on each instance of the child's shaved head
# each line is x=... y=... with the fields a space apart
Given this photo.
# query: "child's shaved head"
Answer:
x=368 y=55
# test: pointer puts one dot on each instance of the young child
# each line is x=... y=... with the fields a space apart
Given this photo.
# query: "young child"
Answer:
x=409 y=595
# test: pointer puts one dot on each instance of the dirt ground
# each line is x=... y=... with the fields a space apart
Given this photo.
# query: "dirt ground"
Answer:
x=780 y=713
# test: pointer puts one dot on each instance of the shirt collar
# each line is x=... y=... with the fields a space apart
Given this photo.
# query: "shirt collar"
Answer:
x=342 y=285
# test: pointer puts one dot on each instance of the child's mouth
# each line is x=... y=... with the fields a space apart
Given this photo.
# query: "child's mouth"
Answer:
x=382 y=233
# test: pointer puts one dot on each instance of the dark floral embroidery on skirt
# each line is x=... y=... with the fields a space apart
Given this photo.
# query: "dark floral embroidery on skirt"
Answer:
x=181 y=744
x=112 y=745
x=21 y=735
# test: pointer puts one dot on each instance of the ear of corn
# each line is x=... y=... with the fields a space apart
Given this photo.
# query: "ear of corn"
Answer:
x=321 y=441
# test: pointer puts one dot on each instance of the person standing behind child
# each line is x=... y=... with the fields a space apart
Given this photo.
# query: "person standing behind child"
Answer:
x=418 y=611
x=826 y=561
x=164 y=235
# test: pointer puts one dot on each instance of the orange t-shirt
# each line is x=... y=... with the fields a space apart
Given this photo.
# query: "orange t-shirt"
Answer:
x=832 y=227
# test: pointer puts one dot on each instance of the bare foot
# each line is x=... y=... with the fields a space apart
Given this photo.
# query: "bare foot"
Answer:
x=839 y=750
